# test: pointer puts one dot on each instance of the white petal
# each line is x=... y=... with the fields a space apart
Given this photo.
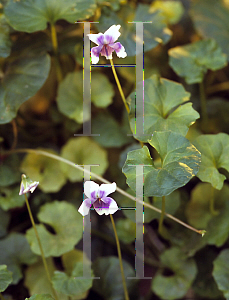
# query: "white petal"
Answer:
x=94 y=59
x=84 y=208
x=108 y=188
x=94 y=37
x=112 y=32
x=121 y=53
x=90 y=187
x=112 y=208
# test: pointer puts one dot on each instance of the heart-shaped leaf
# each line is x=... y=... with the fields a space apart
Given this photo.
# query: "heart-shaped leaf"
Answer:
x=180 y=161
x=164 y=108
x=9 y=170
x=23 y=78
x=214 y=150
x=154 y=33
x=40 y=297
x=10 y=198
x=192 y=61
x=33 y=15
x=177 y=285
x=203 y=12
x=71 y=88
x=67 y=224
x=5 y=278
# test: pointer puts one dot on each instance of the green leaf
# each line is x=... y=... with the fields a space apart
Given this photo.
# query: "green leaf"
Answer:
x=9 y=197
x=15 y=251
x=198 y=209
x=5 y=42
x=40 y=297
x=221 y=272
x=5 y=278
x=83 y=151
x=71 y=285
x=180 y=162
x=172 y=11
x=177 y=285
x=164 y=108
x=203 y=12
x=9 y=170
x=111 y=133
x=214 y=150
x=45 y=170
x=24 y=77
x=4 y=222
x=192 y=61
x=33 y=15
x=109 y=286
x=71 y=88
x=126 y=230
x=67 y=224
x=154 y=34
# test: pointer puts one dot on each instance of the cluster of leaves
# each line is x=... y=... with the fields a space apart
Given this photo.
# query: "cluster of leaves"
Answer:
x=184 y=147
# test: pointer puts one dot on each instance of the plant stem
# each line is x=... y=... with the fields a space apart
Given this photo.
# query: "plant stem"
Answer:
x=2 y=297
x=100 y=178
x=211 y=206
x=119 y=86
x=40 y=246
x=120 y=259
x=203 y=104
x=15 y=133
x=55 y=50
x=162 y=216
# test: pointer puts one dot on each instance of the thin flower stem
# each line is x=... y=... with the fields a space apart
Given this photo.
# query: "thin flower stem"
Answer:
x=160 y=229
x=15 y=133
x=203 y=103
x=55 y=50
x=120 y=259
x=59 y=158
x=211 y=204
x=119 y=86
x=40 y=246
x=2 y=297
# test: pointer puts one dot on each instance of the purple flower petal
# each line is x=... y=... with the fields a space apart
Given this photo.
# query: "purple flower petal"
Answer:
x=107 y=51
x=119 y=49
x=95 y=51
x=105 y=206
x=96 y=38
x=107 y=188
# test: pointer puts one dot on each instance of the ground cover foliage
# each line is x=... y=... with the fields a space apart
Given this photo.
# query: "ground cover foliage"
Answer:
x=185 y=148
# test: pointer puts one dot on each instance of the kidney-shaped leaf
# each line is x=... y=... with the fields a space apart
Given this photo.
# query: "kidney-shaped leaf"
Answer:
x=155 y=33
x=180 y=161
x=65 y=221
x=221 y=272
x=164 y=108
x=177 y=285
x=5 y=42
x=15 y=251
x=45 y=170
x=23 y=78
x=83 y=151
x=192 y=61
x=71 y=285
x=214 y=149
x=33 y=15
x=5 y=278
x=203 y=12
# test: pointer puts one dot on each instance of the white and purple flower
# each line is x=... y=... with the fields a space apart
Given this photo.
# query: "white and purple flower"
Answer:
x=27 y=185
x=97 y=196
x=106 y=44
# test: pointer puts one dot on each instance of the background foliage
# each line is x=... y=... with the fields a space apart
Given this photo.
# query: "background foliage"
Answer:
x=185 y=148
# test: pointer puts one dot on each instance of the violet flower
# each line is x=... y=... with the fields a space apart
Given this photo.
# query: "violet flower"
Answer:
x=27 y=185
x=106 y=44
x=97 y=196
